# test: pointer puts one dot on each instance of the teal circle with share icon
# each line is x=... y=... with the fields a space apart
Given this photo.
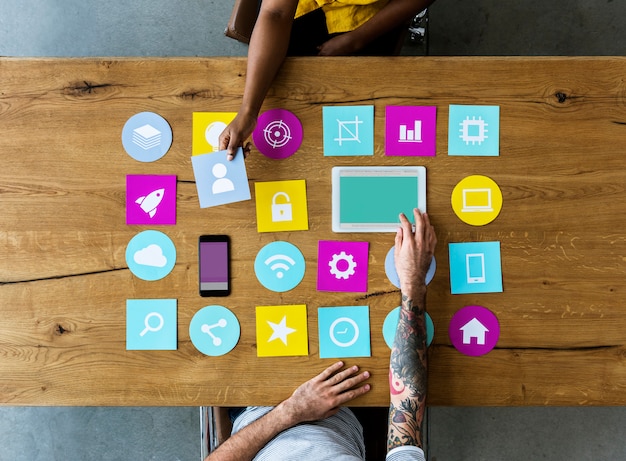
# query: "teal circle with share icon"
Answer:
x=391 y=324
x=151 y=255
x=279 y=266
x=214 y=330
x=146 y=136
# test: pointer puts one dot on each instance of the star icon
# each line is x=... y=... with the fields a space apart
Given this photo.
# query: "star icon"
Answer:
x=280 y=330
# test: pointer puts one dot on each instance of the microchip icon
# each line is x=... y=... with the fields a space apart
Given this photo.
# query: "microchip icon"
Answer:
x=473 y=130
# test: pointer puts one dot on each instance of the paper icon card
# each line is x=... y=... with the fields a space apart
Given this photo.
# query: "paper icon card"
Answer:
x=390 y=326
x=474 y=130
x=281 y=331
x=348 y=130
x=150 y=200
x=278 y=134
x=214 y=330
x=370 y=199
x=344 y=331
x=475 y=267
x=146 y=136
x=279 y=266
x=220 y=181
x=411 y=130
x=342 y=266
x=151 y=324
x=151 y=255
x=281 y=206
x=474 y=330
x=207 y=128
x=477 y=200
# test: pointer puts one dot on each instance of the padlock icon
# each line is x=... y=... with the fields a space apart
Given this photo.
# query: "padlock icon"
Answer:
x=281 y=211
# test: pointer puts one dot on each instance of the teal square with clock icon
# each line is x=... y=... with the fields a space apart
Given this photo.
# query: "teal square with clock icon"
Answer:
x=344 y=331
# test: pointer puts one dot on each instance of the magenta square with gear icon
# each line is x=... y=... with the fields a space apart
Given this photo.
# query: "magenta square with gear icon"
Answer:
x=342 y=266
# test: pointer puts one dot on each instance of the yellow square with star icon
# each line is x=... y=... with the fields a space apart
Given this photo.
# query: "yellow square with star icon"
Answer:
x=281 y=331
x=281 y=206
x=206 y=130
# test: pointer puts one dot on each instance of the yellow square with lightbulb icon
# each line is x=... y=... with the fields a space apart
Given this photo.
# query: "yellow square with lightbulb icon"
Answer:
x=281 y=206
x=281 y=331
x=206 y=130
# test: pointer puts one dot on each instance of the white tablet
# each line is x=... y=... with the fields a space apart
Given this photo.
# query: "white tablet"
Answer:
x=369 y=199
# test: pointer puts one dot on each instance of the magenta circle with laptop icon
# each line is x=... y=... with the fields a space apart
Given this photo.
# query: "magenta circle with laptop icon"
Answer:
x=474 y=330
x=278 y=134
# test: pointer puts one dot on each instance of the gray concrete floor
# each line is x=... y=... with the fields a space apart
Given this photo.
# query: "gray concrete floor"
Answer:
x=194 y=28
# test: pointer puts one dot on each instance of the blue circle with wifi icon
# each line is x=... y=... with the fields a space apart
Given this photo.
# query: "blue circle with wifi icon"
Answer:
x=279 y=266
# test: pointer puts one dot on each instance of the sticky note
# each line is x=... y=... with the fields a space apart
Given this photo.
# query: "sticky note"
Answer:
x=474 y=130
x=475 y=267
x=151 y=199
x=206 y=130
x=151 y=255
x=344 y=331
x=278 y=134
x=281 y=206
x=282 y=331
x=151 y=324
x=342 y=266
x=348 y=130
x=214 y=330
x=477 y=200
x=220 y=181
x=279 y=266
x=146 y=136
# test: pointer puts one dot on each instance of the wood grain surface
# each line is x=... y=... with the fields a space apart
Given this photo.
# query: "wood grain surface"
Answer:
x=64 y=281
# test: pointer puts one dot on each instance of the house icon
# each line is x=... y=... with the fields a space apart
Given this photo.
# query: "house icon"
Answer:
x=474 y=329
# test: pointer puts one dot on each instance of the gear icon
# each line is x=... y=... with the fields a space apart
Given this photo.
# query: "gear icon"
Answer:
x=478 y=127
x=348 y=271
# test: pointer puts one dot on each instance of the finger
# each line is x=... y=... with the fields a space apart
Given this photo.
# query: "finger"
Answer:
x=352 y=382
x=407 y=228
x=419 y=224
x=398 y=243
x=247 y=149
x=328 y=372
x=352 y=394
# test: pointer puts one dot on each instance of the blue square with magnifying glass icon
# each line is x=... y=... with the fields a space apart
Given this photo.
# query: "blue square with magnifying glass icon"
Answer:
x=151 y=325
x=344 y=331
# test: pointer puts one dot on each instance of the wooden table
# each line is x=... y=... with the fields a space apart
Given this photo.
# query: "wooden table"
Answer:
x=64 y=281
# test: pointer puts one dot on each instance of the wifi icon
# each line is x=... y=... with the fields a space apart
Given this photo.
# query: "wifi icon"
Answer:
x=279 y=266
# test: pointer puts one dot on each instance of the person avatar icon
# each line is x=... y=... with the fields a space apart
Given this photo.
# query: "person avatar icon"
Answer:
x=222 y=184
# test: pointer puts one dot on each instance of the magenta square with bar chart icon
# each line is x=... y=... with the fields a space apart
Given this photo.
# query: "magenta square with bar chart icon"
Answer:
x=151 y=199
x=411 y=130
x=342 y=266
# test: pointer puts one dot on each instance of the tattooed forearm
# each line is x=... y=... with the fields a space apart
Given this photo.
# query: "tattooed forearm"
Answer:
x=407 y=377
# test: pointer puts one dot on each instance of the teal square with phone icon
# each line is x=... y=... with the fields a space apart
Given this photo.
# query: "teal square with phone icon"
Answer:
x=151 y=324
x=475 y=267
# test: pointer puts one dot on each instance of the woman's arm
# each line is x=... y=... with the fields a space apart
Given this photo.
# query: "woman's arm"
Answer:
x=268 y=47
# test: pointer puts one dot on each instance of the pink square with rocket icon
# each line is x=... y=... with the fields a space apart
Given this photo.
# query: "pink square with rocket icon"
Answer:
x=150 y=199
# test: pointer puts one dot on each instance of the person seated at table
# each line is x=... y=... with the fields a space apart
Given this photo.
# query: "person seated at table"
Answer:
x=324 y=27
x=312 y=425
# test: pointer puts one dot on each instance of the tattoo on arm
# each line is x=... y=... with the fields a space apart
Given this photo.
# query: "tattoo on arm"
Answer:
x=407 y=377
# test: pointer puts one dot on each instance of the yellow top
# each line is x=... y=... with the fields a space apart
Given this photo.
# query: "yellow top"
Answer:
x=342 y=15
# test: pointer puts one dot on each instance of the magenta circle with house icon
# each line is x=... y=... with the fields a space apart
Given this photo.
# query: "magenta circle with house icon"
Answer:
x=474 y=330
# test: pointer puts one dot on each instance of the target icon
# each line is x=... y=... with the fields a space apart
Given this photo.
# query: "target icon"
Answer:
x=277 y=134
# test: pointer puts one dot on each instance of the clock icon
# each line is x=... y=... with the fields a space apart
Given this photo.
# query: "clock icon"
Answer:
x=344 y=332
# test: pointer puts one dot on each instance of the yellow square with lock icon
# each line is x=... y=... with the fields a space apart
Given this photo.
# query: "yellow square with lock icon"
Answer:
x=281 y=206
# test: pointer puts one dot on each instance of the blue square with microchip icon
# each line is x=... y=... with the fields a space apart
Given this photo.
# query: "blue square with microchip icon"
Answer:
x=474 y=130
x=344 y=331
x=348 y=130
x=151 y=324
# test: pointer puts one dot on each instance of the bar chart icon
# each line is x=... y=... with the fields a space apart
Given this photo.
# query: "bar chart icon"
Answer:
x=411 y=135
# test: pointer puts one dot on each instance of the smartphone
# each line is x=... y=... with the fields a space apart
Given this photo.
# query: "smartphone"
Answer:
x=214 y=265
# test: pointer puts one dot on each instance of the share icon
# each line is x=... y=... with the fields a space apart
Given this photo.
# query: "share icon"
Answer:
x=207 y=329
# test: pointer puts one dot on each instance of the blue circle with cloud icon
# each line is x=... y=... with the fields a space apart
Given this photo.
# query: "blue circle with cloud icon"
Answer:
x=279 y=266
x=150 y=255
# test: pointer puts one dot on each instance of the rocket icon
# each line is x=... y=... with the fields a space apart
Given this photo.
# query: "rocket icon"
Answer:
x=150 y=202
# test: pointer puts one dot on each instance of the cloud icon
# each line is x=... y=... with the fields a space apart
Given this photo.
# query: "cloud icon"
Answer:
x=152 y=255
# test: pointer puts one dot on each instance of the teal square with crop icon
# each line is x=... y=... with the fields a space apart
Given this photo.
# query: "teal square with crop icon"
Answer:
x=474 y=130
x=151 y=324
x=344 y=331
x=348 y=130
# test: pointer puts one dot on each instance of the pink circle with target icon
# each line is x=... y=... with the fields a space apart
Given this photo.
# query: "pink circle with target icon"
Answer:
x=278 y=134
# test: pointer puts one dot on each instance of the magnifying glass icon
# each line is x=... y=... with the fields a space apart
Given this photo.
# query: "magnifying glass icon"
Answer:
x=150 y=327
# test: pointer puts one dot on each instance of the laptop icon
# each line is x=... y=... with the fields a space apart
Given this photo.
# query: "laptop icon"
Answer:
x=477 y=200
